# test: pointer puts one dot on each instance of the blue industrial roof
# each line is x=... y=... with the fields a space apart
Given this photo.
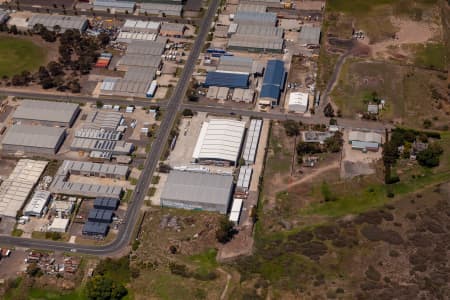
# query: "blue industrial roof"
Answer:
x=270 y=91
x=95 y=228
x=273 y=80
x=115 y=3
x=274 y=73
x=106 y=203
x=100 y=215
x=226 y=79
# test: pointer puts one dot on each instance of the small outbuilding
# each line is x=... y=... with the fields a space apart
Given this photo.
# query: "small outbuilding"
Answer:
x=59 y=225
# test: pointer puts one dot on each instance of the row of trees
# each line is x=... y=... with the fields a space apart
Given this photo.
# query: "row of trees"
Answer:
x=77 y=53
x=428 y=157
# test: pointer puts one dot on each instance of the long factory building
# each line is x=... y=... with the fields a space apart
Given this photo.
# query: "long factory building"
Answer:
x=33 y=139
x=197 y=191
x=64 y=22
x=48 y=113
x=16 y=189
x=220 y=140
x=62 y=184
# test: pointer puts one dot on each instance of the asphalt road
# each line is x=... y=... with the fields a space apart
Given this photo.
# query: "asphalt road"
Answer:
x=281 y=116
x=126 y=230
x=77 y=98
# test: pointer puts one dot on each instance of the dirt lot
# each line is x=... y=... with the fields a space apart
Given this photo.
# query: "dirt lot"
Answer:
x=411 y=95
x=288 y=186
x=13 y=265
x=409 y=32
x=355 y=162
x=178 y=237
x=6 y=167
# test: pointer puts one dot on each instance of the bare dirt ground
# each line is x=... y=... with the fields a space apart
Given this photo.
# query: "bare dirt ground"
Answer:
x=355 y=162
x=409 y=32
x=13 y=265
x=310 y=176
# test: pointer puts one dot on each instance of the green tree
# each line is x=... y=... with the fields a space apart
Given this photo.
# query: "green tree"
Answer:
x=33 y=270
x=430 y=156
x=328 y=111
x=291 y=127
x=188 y=112
x=334 y=143
x=226 y=230
x=390 y=153
x=103 y=288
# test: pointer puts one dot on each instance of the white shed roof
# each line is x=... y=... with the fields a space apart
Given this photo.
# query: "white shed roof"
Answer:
x=16 y=189
x=363 y=136
x=298 y=101
x=220 y=139
x=37 y=203
x=59 y=225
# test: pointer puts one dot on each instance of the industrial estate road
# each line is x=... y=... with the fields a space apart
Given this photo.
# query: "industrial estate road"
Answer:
x=126 y=231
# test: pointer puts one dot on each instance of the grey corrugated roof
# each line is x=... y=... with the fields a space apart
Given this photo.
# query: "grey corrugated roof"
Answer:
x=140 y=60
x=46 y=111
x=171 y=9
x=140 y=74
x=258 y=42
x=198 y=187
x=172 y=26
x=33 y=136
x=309 y=35
x=65 y=22
x=236 y=64
x=252 y=7
x=147 y=47
x=260 y=30
x=247 y=17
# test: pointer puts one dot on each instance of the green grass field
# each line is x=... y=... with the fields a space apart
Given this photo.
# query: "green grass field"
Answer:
x=18 y=55
x=353 y=199
x=408 y=93
x=432 y=56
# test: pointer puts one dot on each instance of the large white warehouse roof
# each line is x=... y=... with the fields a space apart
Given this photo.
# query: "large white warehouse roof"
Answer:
x=16 y=189
x=220 y=139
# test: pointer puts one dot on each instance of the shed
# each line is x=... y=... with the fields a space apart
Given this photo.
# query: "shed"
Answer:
x=226 y=79
x=48 y=113
x=95 y=229
x=219 y=140
x=36 y=205
x=273 y=82
x=58 y=225
x=197 y=191
x=309 y=36
x=106 y=203
x=255 y=18
x=298 y=102
x=236 y=209
x=33 y=139
x=100 y=215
